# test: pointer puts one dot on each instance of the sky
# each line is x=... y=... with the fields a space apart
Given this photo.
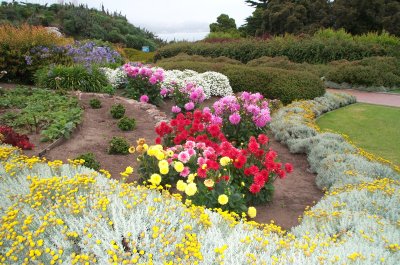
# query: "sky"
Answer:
x=169 y=19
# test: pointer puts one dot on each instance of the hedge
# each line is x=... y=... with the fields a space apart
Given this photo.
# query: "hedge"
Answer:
x=325 y=46
x=273 y=83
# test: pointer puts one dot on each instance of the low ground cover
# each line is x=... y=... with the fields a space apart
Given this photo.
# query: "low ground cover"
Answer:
x=361 y=122
x=40 y=111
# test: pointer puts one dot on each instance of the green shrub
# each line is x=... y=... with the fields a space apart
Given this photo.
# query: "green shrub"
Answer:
x=371 y=72
x=118 y=146
x=90 y=161
x=324 y=46
x=76 y=77
x=133 y=55
x=95 y=103
x=109 y=89
x=273 y=83
x=117 y=111
x=127 y=124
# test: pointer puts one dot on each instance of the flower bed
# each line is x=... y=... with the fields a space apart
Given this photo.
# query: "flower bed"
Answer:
x=102 y=221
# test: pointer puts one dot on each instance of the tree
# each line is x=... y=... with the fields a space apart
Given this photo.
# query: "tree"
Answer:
x=359 y=16
x=224 y=24
x=258 y=4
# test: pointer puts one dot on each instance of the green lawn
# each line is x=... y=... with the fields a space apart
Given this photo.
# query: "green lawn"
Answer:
x=374 y=128
x=395 y=91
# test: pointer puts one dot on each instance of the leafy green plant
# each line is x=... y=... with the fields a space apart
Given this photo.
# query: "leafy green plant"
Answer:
x=90 y=161
x=118 y=146
x=76 y=77
x=40 y=111
x=95 y=103
x=117 y=111
x=127 y=124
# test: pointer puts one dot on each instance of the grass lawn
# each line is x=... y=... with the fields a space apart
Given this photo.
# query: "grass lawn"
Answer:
x=395 y=91
x=374 y=128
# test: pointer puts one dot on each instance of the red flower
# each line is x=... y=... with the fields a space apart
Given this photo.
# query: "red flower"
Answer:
x=240 y=161
x=289 y=168
x=281 y=173
x=263 y=139
x=226 y=178
x=254 y=188
x=214 y=130
x=202 y=173
x=253 y=145
x=158 y=140
x=259 y=179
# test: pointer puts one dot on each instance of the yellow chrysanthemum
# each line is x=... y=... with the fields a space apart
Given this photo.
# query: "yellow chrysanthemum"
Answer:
x=223 y=199
x=181 y=186
x=155 y=179
x=129 y=170
x=252 y=212
x=191 y=189
x=163 y=163
x=179 y=166
x=160 y=155
x=164 y=170
x=224 y=161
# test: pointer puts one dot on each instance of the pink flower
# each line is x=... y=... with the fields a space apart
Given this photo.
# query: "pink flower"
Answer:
x=153 y=80
x=189 y=106
x=184 y=157
x=185 y=172
x=164 y=91
x=234 y=118
x=144 y=98
x=176 y=109
x=190 y=144
x=191 y=152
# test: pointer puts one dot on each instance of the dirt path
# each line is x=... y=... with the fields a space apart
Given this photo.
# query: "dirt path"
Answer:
x=371 y=97
x=292 y=194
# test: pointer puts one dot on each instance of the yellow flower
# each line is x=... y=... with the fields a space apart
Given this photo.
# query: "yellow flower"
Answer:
x=132 y=149
x=223 y=199
x=224 y=161
x=170 y=153
x=179 y=166
x=252 y=212
x=181 y=186
x=151 y=151
x=160 y=155
x=145 y=147
x=164 y=170
x=158 y=147
x=129 y=170
x=191 y=189
x=163 y=163
x=209 y=183
x=155 y=179
x=191 y=178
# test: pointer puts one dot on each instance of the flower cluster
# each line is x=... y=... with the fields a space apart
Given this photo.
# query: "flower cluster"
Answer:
x=186 y=97
x=199 y=160
x=241 y=116
x=116 y=77
x=9 y=136
x=143 y=80
x=213 y=83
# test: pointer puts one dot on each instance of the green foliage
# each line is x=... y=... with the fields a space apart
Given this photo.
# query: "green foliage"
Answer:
x=224 y=24
x=322 y=47
x=285 y=85
x=127 y=124
x=95 y=103
x=76 y=77
x=133 y=55
x=373 y=119
x=275 y=17
x=373 y=72
x=138 y=86
x=90 y=161
x=80 y=22
x=118 y=146
x=40 y=111
x=117 y=111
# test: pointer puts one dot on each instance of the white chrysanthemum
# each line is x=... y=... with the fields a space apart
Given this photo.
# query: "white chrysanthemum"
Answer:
x=116 y=77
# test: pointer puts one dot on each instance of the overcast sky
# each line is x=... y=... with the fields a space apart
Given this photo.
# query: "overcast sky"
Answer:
x=182 y=19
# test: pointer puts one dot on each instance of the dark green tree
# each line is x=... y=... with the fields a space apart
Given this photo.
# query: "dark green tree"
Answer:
x=224 y=24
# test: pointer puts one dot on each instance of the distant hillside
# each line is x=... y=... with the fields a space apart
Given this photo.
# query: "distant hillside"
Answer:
x=79 y=22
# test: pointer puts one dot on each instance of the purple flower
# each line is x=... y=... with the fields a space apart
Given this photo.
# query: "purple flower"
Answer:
x=176 y=109
x=189 y=106
x=234 y=118
x=144 y=98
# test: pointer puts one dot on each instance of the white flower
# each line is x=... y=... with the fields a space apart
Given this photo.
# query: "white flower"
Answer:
x=116 y=77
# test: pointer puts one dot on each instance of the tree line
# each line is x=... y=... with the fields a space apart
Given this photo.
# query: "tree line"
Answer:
x=277 y=17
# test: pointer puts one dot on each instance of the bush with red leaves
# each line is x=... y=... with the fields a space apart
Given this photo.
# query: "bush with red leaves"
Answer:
x=15 y=139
